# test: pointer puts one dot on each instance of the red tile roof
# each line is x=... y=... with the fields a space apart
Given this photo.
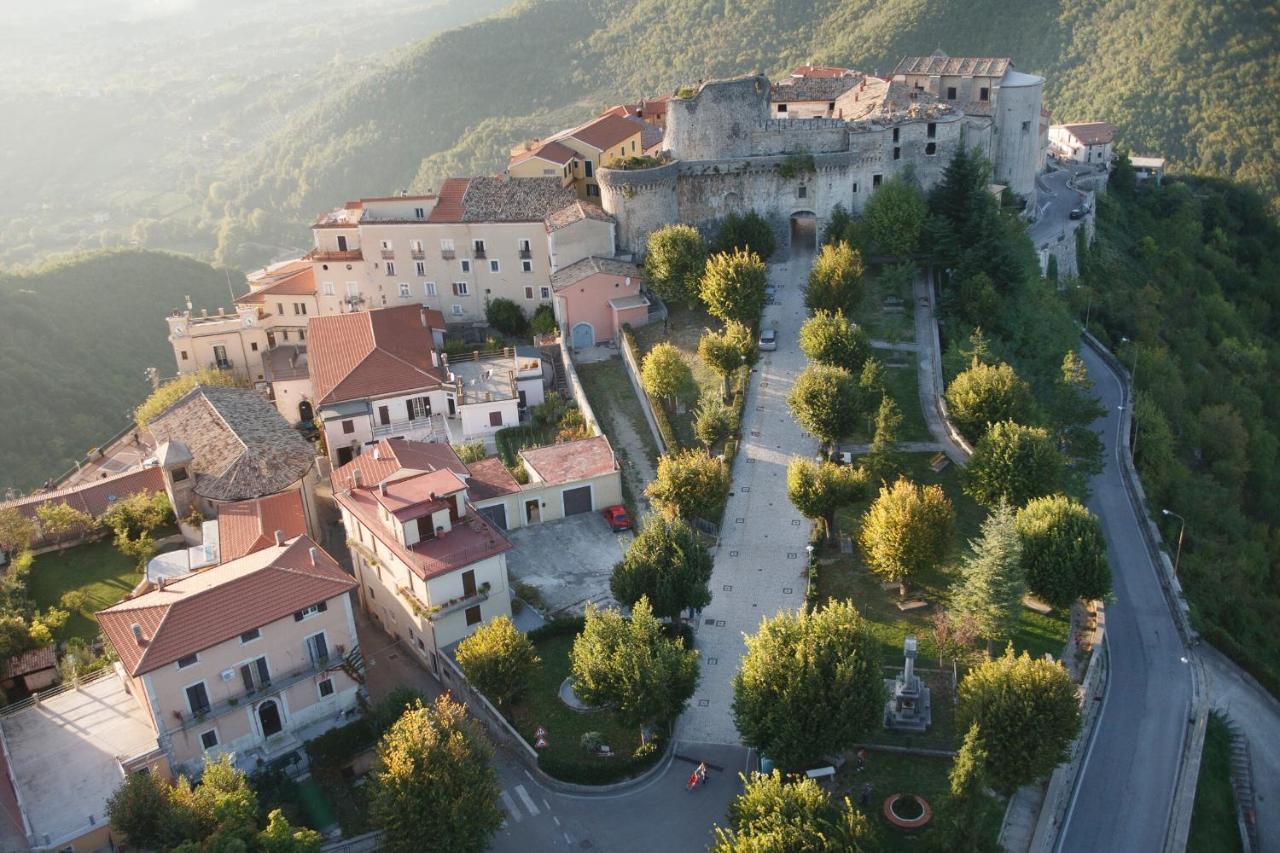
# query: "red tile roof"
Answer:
x=1091 y=132
x=394 y=457
x=370 y=353
x=208 y=607
x=407 y=497
x=95 y=497
x=449 y=207
x=490 y=479
x=552 y=152
x=435 y=319
x=572 y=461
x=297 y=279
x=32 y=660
x=605 y=132
x=248 y=526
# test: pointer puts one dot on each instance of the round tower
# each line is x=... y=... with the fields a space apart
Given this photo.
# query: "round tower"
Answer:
x=1017 y=142
x=716 y=121
x=641 y=200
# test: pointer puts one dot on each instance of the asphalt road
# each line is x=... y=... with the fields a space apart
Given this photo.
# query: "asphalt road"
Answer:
x=1055 y=202
x=1124 y=796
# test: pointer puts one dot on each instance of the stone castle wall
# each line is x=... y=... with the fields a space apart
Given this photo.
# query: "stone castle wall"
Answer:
x=719 y=120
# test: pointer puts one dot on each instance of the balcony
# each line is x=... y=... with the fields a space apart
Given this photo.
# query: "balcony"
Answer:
x=526 y=253
x=437 y=612
x=220 y=364
x=432 y=427
x=417 y=254
x=448 y=254
x=479 y=254
x=388 y=254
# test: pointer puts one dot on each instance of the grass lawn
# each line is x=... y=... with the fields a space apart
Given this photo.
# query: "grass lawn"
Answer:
x=684 y=330
x=1213 y=819
x=903 y=385
x=96 y=568
x=894 y=327
x=615 y=404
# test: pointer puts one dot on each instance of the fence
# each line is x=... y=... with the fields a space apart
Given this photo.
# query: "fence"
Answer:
x=576 y=389
x=40 y=696
x=633 y=373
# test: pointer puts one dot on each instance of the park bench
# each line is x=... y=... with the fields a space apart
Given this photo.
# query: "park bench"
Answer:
x=939 y=461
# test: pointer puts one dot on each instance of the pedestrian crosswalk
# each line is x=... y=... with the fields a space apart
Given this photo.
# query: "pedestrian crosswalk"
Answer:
x=513 y=810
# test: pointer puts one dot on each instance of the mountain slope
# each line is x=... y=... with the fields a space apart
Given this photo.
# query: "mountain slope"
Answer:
x=1181 y=78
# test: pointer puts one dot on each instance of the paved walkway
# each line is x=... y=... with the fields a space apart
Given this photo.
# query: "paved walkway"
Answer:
x=907 y=347
x=760 y=563
x=901 y=447
x=929 y=361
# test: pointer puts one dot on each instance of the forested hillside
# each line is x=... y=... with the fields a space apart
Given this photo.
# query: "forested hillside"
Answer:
x=76 y=337
x=1189 y=272
x=1189 y=80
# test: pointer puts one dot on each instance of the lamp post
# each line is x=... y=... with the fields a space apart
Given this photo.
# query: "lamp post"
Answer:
x=808 y=572
x=1133 y=384
x=1178 y=558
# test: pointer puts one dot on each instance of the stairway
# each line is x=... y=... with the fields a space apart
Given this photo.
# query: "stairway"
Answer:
x=1242 y=784
x=555 y=355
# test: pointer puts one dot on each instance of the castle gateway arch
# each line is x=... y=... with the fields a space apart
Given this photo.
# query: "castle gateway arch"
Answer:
x=804 y=231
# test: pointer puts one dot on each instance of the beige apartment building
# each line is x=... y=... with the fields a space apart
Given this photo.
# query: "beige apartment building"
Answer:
x=575 y=155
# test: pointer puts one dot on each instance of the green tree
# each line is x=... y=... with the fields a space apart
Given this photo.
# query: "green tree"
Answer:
x=728 y=350
x=836 y=280
x=664 y=374
x=1014 y=463
x=674 y=259
x=976 y=299
x=630 y=664
x=1032 y=705
x=170 y=392
x=992 y=581
x=746 y=232
x=506 y=316
x=986 y=394
x=895 y=216
x=61 y=522
x=882 y=455
x=732 y=286
x=960 y=818
x=498 y=660
x=714 y=422
x=220 y=813
x=907 y=530
x=826 y=401
x=668 y=565
x=818 y=489
x=1074 y=407
x=1122 y=180
x=773 y=815
x=140 y=809
x=828 y=338
x=810 y=684
x=435 y=781
x=281 y=837
x=16 y=531
x=544 y=320
x=1063 y=553
x=689 y=483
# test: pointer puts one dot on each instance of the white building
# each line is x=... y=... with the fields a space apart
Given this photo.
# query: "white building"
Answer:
x=1085 y=143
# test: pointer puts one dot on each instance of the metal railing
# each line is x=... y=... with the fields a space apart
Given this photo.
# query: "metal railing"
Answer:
x=431 y=423
x=270 y=688
x=40 y=696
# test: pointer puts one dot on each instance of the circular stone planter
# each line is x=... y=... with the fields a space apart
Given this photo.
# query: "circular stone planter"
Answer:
x=892 y=809
x=568 y=697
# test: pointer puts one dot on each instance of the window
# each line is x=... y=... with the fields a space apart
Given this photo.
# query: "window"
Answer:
x=782 y=108
x=855 y=186
x=459 y=288
x=404 y=290
x=803 y=192
x=951 y=93
x=495 y=419
x=593 y=190
x=342 y=243
x=419 y=213
x=198 y=699
x=297 y=308
x=280 y=309
x=184 y=355
x=420 y=268
x=524 y=246
x=419 y=407
x=473 y=615
x=429 y=288
x=284 y=334
x=528 y=293
x=546 y=293
x=325 y=687
x=326 y=287
x=897 y=153
x=250 y=636
x=353 y=288
x=466 y=265
x=875 y=180
x=308 y=612
x=456 y=310
x=446 y=245
x=588 y=167
x=386 y=245
x=179 y=474
x=348 y=427
x=931 y=130
x=209 y=739
x=495 y=266
x=255 y=675
x=317 y=649
x=931 y=148
x=526 y=266
x=477 y=248
x=984 y=94
x=391 y=267
x=1026 y=126
x=189 y=660
x=896 y=131
x=253 y=347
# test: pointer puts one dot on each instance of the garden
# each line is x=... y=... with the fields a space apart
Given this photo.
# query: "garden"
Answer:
x=97 y=571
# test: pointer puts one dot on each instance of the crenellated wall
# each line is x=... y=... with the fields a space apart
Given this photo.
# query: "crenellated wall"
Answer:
x=719 y=120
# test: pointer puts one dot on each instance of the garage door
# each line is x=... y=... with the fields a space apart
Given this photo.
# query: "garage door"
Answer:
x=496 y=514
x=577 y=500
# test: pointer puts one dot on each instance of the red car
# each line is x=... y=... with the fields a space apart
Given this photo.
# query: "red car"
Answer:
x=617 y=517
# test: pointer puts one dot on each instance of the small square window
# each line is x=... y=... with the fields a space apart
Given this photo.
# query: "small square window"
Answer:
x=457 y=310
x=189 y=660
x=803 y=192
x=250 y=636
x=782 y=108
x=931 y=148
x=429 y=288
x=348 y=427
x=404 y=290
x=526 y=266
x=325 y=687
x=546 y=293
x=253 y=346
x=984 y=94
x=184 y=355
x=875 y=180
x=473 y=615
x=209 y=739
x=494 y=266
x=466 y=265
x=951 y=93
x=495 y=419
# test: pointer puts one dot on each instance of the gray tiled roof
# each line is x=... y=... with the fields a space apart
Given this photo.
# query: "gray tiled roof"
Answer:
x=579 y=270
x=514 y=200
x=240 y=445
x=576 y=211
x=811 y=88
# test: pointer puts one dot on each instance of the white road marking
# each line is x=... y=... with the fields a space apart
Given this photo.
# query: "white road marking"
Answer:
x=556 y=819
x=510 y=805
x=545 y=803
x=527 y=800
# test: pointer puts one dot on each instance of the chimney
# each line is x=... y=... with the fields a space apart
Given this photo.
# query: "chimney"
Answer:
x=423 y=315
x=188 y=303
x=137 y=632
x=312 y=552
x=279 y=538
x=161 y=582
x=382 y=488
x=357 y=477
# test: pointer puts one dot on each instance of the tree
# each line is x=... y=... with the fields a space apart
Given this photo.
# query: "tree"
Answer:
x=674 y=260
x=961 y=815
x=986 y=394
x=1015 y=463
x=61 y=522
x=746 y=232
x=222 y=811
x=728 y=350
x=689 y=483
x=895 y=216
x=882 y=455
x=992 y=582
x=16 y=531
x=664 y=374
x=171 y=391
x=835 y=282
x=498 y=660
x=773 y=815
x=435 y=781
x=732 y=286
x=667 y=565
x=976 y=299
x=906 y=530
x=140 y=809
x=818 y=489
x=810 y=684
x=714 y=422
x=1064 y=555
x=544 y=320
x=629 y=664
x=1032 y=705
x=828 y=338
x=826 y=401
x=281 y=837
x=506 y=316
x=1123 y=180
x=1073 y=409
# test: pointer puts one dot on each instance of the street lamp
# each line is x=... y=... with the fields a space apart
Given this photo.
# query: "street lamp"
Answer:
x=1177 y=559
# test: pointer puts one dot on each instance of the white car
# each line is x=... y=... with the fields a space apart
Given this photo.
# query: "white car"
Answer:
x=768 y=340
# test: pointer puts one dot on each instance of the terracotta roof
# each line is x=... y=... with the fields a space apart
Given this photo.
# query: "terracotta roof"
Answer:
x=435 y=319
x=1091 y=132
x=32 y=660
x=404 y=498
x=449 y=206
x=394 y=457
x=605 y=132
x=571 y=461
x=576 y=211
x=578 y=270
x=291 y=278
x=552 y=152
x=370 y=353
x=962 y=66
x=490 y=479
x=96 y=496
x=248 y=526
x=207 y=607
x=240 y=446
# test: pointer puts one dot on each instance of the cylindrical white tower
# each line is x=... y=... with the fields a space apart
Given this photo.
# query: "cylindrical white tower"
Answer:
x=1017 y=142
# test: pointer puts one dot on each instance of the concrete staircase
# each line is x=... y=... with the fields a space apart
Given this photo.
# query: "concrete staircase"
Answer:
x=1242 y=784
x=555 y=355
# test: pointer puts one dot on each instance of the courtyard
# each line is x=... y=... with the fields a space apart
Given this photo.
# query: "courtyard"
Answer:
x=569 y=561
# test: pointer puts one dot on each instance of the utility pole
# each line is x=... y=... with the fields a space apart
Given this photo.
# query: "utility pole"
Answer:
x=1177 y=559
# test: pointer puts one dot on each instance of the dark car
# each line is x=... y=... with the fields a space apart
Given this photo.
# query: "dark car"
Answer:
x=1077 y=213
x=617 y=517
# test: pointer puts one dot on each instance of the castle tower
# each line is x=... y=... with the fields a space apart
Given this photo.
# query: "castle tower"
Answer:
x=641 y=200
x=1017 y=136
x=717 y=121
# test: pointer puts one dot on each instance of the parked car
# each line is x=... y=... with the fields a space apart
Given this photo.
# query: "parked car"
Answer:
x=1077 y=213
x=768 y=340
x=617 y=517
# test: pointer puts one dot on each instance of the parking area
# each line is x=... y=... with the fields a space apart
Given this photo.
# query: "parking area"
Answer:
x=567 y=561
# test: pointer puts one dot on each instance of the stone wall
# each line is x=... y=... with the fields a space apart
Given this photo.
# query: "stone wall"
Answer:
x=719 y=120
x=810 y=135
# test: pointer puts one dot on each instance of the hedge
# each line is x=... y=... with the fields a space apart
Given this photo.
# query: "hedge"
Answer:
x=659 y=411
x=338 y=746
x=618 y=768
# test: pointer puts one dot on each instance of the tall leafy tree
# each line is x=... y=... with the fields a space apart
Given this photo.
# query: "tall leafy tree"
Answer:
x=667 y=564
x=986 y=394
x=829 y=338
x=16 y=531
x=1063 y=552
x=776 y=814
x=1013 y=463
x=993 y=584
x=836 y=280
x=748 y=232
x=882 y=455
x=810 y=684
x=713 y=422
x=673 y=263
x=1030 y=706
x=962 y=813
x=498 y=659
x=63 y=523
x=1074 y=408
x=142 y=810
x=282 y=837
x=895 y=216
x=435 y=782
x=825 y=401
x=727 y=350
x=664 y=374
x=818 y=489
x=689 y=483
x=732 y=286
x=906 y=530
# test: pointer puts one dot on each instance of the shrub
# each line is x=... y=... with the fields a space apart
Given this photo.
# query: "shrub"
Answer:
x=337 y=747
x=169 y=392
x=674 y=259
x=506 y=316
x=746 y=232
x=544 y=320
x=471 y=451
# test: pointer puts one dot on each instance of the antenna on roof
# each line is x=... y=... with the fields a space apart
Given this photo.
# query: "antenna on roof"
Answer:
x=312 y=552
x=279 y=538
x=137 y=632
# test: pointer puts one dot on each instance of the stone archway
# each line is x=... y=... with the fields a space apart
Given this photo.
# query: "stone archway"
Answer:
x=804 y=231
